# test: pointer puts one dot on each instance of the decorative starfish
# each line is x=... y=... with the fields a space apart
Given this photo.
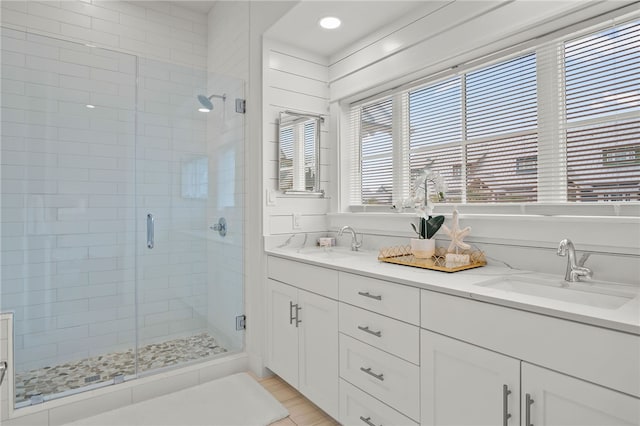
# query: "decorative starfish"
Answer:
x=456 y=234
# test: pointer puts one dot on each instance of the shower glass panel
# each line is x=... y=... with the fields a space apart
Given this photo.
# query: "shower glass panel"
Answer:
x=68 y=225
x=189 y=291
x=98 y=149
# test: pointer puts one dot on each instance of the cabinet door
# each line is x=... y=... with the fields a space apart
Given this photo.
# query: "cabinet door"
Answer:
x=462 y=384
x=282 y=334
x=318 y=335
x=560 y=400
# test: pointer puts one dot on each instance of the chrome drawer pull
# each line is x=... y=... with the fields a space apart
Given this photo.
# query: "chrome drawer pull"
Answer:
x=527 y=410
x=298 y=320
x=505 y=405
x=369 y=295
x=368 y=421
x=371 y=373
x=291 y=317
x=366 y=330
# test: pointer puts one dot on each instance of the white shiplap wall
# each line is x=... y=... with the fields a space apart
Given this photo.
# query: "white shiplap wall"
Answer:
x=298 y=81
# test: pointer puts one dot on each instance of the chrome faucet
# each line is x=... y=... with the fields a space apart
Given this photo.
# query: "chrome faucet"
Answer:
x=355 y=245
x=575 y=269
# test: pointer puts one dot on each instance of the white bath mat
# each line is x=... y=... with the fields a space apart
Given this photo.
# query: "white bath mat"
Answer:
x=235 y=400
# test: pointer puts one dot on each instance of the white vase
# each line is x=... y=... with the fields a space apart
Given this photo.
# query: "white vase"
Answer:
x=423 y=248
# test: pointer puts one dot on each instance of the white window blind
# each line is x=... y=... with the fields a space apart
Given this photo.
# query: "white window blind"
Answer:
x=376 y=148
x=602 y=73
x=286 y=158
x=310 y=129
x=435 y=133
x=501 y=132
x=555 y=124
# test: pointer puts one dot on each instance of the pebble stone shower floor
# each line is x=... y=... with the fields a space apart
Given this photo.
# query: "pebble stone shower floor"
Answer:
x=77 y=374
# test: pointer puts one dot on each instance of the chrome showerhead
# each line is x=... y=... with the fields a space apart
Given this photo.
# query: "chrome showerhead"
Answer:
x=206 y=103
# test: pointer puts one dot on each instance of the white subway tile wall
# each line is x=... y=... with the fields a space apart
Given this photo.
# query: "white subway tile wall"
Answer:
x=77 y=183
x=152 y=29
x=64 y=257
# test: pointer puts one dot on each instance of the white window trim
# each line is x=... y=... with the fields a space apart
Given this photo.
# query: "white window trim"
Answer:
x=546 y=205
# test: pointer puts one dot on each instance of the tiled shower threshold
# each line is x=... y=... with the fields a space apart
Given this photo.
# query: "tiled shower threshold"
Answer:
x=78 y=374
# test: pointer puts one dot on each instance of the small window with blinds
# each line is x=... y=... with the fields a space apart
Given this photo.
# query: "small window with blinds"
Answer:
x=376 y=150
x=602 y=101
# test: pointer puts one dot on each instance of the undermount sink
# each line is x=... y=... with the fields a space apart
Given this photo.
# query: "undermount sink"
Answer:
x=331 y=252
x=590 y=293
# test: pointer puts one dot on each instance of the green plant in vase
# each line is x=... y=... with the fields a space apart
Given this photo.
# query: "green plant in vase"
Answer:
x=428 y=225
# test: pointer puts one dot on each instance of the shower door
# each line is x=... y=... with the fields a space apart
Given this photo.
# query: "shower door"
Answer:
x=113 y=187
x=68 y=224
x=189 y=174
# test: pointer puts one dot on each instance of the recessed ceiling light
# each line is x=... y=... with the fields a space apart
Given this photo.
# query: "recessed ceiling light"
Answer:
x=330 y=22
x=90 y=106
x=204 y=110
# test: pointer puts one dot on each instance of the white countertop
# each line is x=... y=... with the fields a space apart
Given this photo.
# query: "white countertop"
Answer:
x=465 y=284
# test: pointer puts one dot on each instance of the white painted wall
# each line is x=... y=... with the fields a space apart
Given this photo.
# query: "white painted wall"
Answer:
x=73 y=290
x=297 y=81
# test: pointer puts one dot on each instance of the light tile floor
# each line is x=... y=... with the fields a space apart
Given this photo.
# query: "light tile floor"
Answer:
x=302 y=412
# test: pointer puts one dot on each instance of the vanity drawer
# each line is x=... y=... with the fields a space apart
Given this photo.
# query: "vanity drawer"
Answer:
x=358 y=408
x=322 y=281
x=392 y=380
x=386 y=298
x=390 y=335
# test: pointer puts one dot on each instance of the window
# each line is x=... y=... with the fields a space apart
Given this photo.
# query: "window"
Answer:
x=507 y=133
x=376 y=142
x=602 y=91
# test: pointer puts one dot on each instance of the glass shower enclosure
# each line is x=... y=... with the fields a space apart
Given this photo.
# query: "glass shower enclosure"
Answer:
x=122 y=215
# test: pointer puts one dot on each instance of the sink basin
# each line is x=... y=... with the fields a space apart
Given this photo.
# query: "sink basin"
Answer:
x=591 y=293
x=330 y=252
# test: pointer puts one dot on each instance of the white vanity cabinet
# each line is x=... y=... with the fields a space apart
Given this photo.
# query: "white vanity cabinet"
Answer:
x=302 y=331
x=560 y=400
x=373 y=352
x=497 y=346
x=465 y=385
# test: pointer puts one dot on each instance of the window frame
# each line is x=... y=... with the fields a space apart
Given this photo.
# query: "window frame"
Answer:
x=550 y=198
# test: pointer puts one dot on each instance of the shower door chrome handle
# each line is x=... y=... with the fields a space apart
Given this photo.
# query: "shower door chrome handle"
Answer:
x=150 y=230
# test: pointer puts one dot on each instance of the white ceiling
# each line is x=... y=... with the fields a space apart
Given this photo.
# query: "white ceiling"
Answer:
x=300 y=27
x=196 y=6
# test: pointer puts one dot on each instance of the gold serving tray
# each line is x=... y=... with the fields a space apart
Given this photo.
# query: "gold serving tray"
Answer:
x=401 y=255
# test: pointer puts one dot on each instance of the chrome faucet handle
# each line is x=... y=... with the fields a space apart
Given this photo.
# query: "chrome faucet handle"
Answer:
x=583 y=259
x=580 y=272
